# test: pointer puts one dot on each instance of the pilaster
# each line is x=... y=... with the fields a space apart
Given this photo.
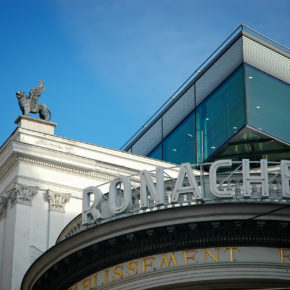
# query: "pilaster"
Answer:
x=56 y=214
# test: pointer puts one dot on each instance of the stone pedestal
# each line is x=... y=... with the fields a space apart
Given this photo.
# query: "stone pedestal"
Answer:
x=35 y=124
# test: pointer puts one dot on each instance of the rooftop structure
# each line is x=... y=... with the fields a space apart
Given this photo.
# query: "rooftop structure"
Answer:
x=235 y=105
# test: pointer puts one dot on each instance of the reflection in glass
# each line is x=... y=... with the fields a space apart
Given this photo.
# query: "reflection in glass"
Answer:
x=156 y=153
x=179 y=146
x=254 y=147
x=268 y=103
x=221 y=115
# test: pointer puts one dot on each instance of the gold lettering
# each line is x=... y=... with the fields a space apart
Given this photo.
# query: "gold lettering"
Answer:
x=231 y=252
x=186 y=257
x=132 y=268
x=106 y=276
x=95 y=280
x=207 y=251
x=282 y=254
x=144 y=260
x=164 y=259
x=118 y=272
x=86 y=283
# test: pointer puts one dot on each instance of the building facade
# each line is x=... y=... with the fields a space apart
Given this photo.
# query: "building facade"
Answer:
x=41 y=181
x=220 y=218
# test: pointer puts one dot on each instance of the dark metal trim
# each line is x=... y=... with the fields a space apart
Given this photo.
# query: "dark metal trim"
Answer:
x=267 y=44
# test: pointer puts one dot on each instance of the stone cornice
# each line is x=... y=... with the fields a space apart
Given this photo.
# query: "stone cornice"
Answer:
x=71 y=162
x=70 y=156
x=8 y=165
x=76 y=161
x=96 y=174
x=90 y=151
x=70 y=169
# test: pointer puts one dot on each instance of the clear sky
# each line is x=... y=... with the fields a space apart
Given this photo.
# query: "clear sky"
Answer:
x=108 y=65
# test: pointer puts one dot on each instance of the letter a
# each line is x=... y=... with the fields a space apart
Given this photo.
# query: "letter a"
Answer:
x=185 y=169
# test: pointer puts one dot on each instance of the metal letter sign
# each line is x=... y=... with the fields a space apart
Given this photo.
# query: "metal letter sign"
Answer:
x=156 y=192
x=198 y=186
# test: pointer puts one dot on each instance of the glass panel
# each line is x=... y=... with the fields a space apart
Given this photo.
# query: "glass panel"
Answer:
x=254 y=147
x=179 y=146
x=268 y=103
x=221 y=115
x=156 y=153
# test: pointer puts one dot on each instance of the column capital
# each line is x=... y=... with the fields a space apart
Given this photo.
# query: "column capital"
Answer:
x=57 y=201
x=22 y=194
x=3 y=206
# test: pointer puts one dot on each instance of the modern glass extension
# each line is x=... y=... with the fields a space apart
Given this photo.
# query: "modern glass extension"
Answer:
x=246 y=116
x=220 y=115
x=268 y=103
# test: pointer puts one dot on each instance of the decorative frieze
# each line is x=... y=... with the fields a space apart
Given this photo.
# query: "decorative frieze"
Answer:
x=20 y=193
x=59 y=166
x=57 y=200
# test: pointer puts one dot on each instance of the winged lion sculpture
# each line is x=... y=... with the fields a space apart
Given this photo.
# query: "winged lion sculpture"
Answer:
x=29 y=104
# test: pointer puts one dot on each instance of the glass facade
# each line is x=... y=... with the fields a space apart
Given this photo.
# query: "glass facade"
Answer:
x=156 y=153
x=247 y=97
x=179 y=146
x=215 y=120
x=268 y=103
x=254 y=146
x=221 y=115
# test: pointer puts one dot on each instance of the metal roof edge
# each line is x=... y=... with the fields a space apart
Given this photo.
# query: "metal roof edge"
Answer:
x=173 y=99
x=181 y=93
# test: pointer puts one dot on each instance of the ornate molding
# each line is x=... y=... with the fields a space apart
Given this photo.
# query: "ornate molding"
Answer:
x=57 y=200
x=103 y=171
x=22 y=194
x=69 y=169
x=3 y=206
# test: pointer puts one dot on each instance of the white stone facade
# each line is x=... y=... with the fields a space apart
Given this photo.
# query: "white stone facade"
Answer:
x=41 y=181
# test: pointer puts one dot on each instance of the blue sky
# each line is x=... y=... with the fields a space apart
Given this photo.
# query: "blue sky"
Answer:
x=108 y=65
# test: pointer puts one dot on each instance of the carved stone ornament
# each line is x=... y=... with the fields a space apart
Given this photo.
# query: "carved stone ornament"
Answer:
x=3 y=206
x=57 y=200
x=29 y=104
x=22 y=194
